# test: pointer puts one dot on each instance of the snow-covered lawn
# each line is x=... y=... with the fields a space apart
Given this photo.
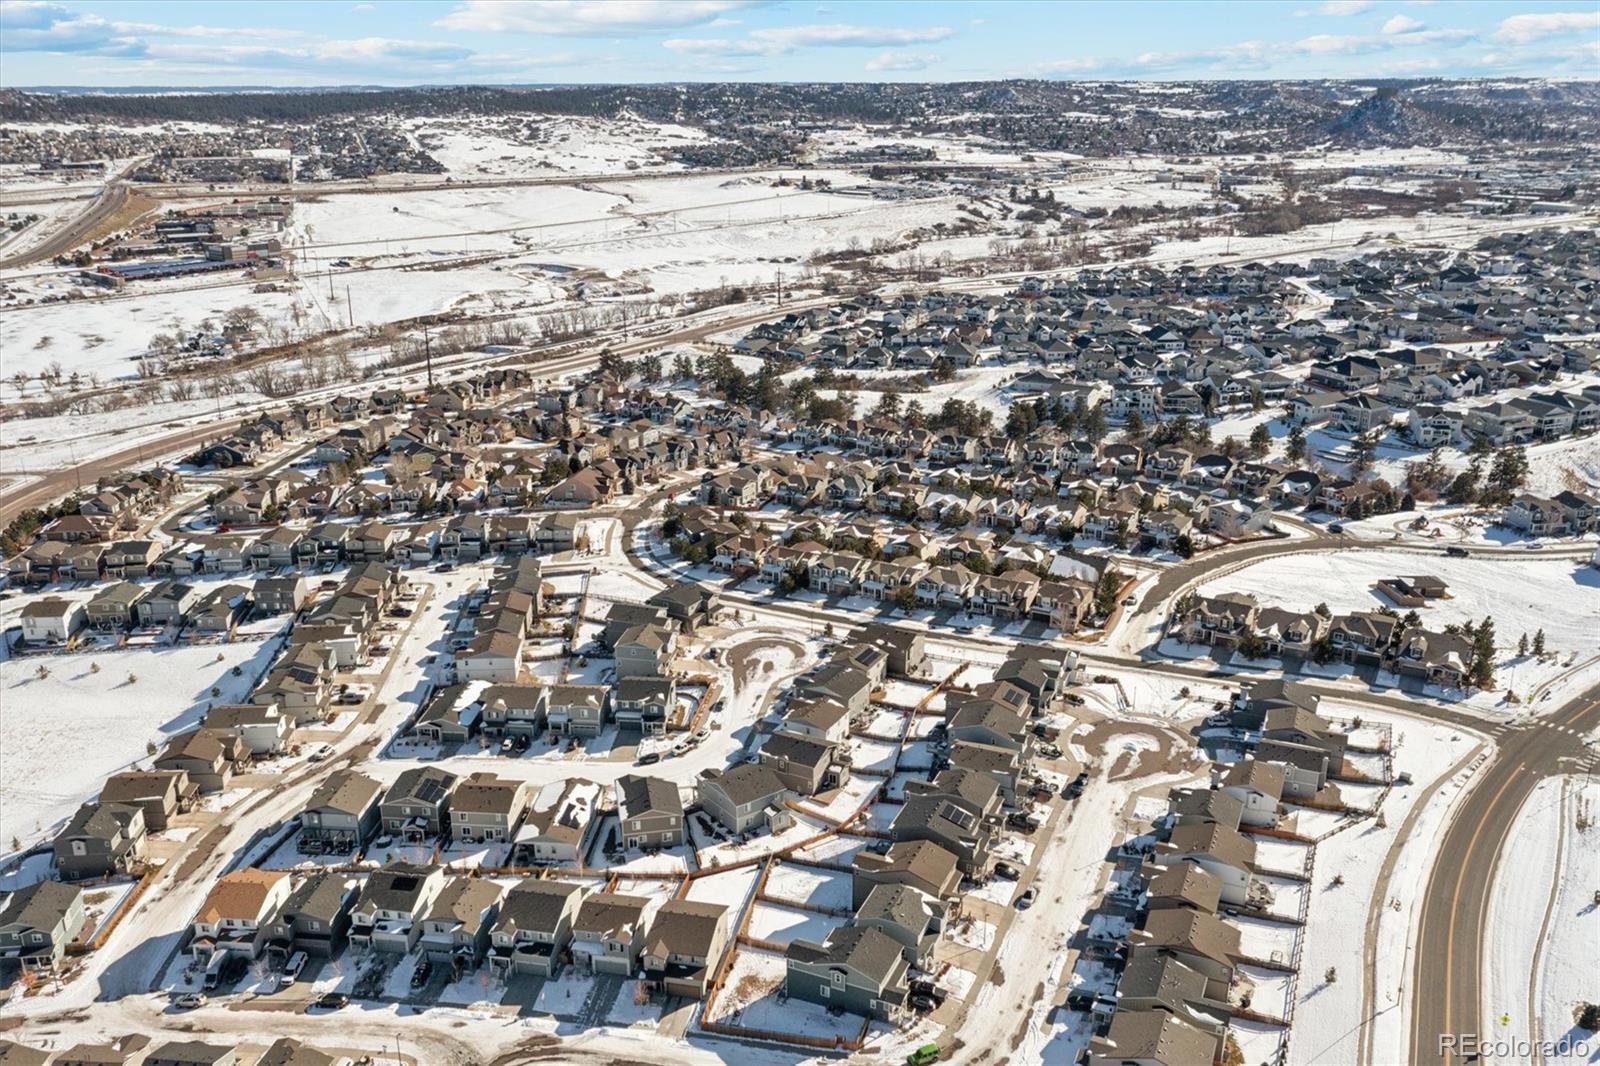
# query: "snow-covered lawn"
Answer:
x=749 y=998
x=783 y=924
x=123 y=700
x=809 y=884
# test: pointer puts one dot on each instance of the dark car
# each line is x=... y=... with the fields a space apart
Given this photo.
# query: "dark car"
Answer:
x=420 y=975
x=650 y=758
x=1335 y=527
x=1076 y=786
x=930 y=990
x=1020 y=823
x=1457 y=551
x=921 y=1003
x=1006 y=872
x=331 y=1001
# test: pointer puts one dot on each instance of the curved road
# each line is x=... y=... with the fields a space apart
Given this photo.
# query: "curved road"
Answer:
x=104 y=206
x=1448 y=977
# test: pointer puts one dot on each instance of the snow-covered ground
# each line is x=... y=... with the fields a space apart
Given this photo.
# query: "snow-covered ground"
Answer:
x=1522 y=596
x=1543 y=922
x=1441 y=761
x=94 y=713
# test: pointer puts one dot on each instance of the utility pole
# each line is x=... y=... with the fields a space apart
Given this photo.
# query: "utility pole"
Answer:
x=350 y=308
x=427 y=354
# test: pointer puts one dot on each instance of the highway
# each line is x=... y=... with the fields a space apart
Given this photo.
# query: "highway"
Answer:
x=112 y=198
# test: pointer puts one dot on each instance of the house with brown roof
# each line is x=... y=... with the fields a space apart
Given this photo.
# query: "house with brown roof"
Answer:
x=609 y=931
x=685 y=945
x=237 y=911
x=161 y=794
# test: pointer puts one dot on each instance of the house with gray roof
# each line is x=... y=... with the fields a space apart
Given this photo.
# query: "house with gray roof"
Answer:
x=860 y=969
x=649 y=812
x=534 y=926
x=342 y=814
x=742 y=797
x=36 y=925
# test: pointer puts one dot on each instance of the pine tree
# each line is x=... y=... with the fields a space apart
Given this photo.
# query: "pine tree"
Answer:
x=1295 y=448
x=1482 y=672
x=1538 y=643
x=1260 y=439
x=1522 y=646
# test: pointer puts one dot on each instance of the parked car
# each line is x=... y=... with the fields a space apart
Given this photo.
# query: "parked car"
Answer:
x=921 y=1003
x=420 y=975
x=931 y=990
x=330 y=1001
x=1457 y=551
x=650 y=758
x=1006 y=872
x=1027 y=899
x=320 y=752
x=927 y=1053
x=190 y=1001
x=292 y=969
x=1335 y=527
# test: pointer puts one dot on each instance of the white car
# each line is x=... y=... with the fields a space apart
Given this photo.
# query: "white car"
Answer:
x=320 y=752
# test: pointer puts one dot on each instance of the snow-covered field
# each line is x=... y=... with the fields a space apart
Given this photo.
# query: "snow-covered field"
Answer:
x=1522 y=596
x=1543 y=921
x=61 y=735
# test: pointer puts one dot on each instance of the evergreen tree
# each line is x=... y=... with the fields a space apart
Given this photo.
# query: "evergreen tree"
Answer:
x=1538 y=643
x=1295 y=445
x=1482 y=670
x=1260 y=439
x=1522 y=646
x=1134 y=426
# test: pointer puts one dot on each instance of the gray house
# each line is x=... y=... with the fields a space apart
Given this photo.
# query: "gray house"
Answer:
x=280 y=595
x=685 y=946
x=342 y=814
x=741 y=798
x=102 y=839
x=388 y=914
x=650 y=812
x=36 y=925
x=417 y=805
x=644 y=703
x=315 y=918
x=858 y=968
x=534 y=926
x=911 y=917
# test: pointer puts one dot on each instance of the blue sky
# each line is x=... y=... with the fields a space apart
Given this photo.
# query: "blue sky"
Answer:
x=44 y=42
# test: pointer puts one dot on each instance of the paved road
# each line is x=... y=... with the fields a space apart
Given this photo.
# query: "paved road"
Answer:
x=1448 y=978
x=108 y=203
x=60 y=483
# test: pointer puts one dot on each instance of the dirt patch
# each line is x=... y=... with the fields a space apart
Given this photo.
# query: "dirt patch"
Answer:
x=755 y=658
x=1126 y=750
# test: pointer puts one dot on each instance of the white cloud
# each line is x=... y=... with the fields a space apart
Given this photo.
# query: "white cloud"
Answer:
x=1402 y=24
x=1076 y=65
x=886 y=61
x=786 y=39
x=588 y=18
x=1520 y=29
x=1324 y=44
x=1343 y=8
